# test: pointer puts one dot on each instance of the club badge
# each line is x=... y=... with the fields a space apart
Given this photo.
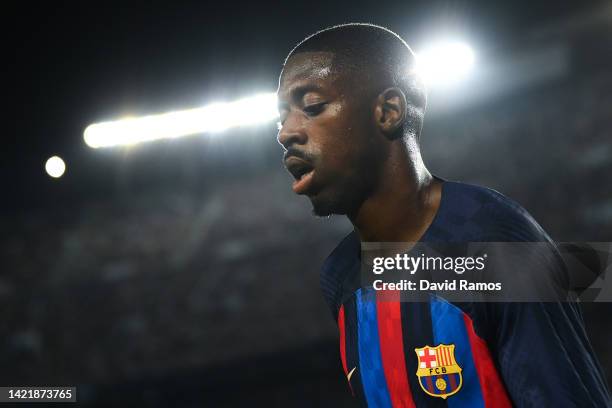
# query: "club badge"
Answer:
x=438 y=371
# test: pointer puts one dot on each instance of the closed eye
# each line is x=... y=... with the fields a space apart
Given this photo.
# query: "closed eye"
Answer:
x=311 y=110
x=315 y=109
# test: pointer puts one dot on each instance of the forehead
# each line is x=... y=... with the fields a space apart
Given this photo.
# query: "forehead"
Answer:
x=307 y=70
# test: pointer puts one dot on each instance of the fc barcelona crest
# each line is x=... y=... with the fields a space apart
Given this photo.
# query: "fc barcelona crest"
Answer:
x=438 y=371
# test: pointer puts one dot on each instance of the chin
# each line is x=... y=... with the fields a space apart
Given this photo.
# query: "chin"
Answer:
x=322 y=211
x=324 y=206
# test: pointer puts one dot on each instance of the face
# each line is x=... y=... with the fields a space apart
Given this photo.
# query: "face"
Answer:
x=327 y=132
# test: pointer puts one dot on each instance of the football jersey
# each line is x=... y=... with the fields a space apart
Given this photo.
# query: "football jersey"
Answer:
x=434 y=353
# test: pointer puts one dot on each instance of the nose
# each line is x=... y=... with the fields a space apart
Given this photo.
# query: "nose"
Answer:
x=291 y=133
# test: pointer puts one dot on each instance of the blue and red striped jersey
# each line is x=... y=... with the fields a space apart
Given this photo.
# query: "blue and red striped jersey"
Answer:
x=434 y=353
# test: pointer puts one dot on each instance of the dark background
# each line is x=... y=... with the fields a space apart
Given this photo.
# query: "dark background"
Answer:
x=185 y=272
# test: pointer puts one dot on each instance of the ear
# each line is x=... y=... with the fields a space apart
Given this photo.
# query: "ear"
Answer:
x=390 y=112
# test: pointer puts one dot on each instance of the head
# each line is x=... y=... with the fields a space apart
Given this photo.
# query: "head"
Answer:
x=348 y=96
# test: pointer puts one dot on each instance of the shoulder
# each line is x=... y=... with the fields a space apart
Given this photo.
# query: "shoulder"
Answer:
x=480 y=213
x=335 y=269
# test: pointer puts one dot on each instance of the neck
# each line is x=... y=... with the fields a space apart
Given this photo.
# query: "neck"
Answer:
x=404 y=204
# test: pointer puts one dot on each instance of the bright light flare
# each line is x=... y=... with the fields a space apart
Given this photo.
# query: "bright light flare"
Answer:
x=211 y=118
x=55 y=167
x=445 y=63
x=440 y=64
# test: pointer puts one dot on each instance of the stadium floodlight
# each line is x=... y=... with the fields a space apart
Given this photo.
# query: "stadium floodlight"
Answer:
x=445 y=63
x=440 y=64
x=55 y=167
x=211 y=118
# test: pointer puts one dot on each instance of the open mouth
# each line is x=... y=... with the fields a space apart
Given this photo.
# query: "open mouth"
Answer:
x=301 y=171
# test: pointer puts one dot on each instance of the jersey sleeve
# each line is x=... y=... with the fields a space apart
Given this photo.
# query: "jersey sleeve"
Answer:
x=545 y=358
x=541 y=347
x=335 y=269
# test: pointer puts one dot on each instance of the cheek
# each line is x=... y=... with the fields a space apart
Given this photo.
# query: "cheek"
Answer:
x=343 y=159
x=336 y=142
x=342 y=138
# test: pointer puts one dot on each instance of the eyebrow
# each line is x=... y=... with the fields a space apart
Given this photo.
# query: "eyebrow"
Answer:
x=297 y=93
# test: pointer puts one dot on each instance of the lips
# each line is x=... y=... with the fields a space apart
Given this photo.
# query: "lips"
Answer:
x=302 y=171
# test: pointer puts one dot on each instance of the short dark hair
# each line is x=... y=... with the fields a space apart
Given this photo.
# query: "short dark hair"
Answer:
x=377 y=56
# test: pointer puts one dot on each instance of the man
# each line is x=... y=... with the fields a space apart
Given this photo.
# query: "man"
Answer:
x=351 y=109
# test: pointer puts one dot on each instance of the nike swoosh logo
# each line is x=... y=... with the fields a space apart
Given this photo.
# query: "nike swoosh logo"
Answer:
x=350 y=374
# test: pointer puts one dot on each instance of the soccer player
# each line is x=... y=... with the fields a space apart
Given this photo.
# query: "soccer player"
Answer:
x=351 y=110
